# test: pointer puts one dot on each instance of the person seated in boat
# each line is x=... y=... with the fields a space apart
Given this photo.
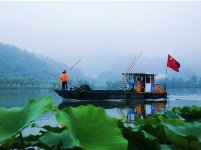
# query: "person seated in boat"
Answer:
x=64 y=80
x=130 y=86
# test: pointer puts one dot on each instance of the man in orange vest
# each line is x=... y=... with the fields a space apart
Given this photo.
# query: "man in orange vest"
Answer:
x=64 y=80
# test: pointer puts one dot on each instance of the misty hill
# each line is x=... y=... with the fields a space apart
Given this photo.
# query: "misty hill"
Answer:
x=20 y=63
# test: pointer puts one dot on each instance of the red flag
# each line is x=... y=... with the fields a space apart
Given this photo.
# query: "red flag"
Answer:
x=172 y=63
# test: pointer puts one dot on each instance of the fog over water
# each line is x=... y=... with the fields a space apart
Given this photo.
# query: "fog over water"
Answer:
x=103 y=33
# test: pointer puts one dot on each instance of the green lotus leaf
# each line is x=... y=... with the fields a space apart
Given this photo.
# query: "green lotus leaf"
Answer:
x=145 y=140
x=52 y=139
x=152 y=121
x=49 y=128
x=187 y=129
x=189 y=134
x=171 y=115
x=177 y=122
x=91 y=128
x=176 y=110
x=199 y=120
x=15 y=119
x=182 y=142
x=167 y=147
x=189 y=113
x=130 y=136
x=191 y=108
x=139 y=122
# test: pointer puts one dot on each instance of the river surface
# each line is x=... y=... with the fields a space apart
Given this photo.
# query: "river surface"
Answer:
x=19 y=98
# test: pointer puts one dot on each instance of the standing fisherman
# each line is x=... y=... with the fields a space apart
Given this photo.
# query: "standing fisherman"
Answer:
x=64 y=80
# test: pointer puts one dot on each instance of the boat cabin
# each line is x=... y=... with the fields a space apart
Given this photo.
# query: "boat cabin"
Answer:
x=141 y=83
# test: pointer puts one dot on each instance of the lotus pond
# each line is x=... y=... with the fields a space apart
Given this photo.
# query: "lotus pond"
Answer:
x=37 y=123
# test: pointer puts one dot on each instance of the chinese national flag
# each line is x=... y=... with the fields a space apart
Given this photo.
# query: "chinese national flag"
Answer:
x=172 y=63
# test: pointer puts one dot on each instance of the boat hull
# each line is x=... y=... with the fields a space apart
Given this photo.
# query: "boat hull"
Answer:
x=106 y=94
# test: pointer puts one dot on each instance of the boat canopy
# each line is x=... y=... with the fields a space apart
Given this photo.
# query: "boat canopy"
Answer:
x=138 y=73
x=139 y=77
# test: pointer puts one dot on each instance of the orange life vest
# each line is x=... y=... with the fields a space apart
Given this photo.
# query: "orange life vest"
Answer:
x=64 y=77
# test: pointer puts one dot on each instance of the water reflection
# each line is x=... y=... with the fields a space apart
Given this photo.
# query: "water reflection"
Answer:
x=20 y=97
x=129 y=109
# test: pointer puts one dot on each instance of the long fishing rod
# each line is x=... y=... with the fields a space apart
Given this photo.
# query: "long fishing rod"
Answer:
x=57 y=76
x=74 y=65
x=69 y=70
x=51 y=74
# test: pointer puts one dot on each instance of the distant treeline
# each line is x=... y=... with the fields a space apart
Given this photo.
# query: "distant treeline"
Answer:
x=180 y=83
x=31 y=82
x=170 y=83
x=20 y=82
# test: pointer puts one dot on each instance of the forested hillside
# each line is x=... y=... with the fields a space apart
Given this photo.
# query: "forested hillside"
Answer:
x=19 y=68
x=15 y=62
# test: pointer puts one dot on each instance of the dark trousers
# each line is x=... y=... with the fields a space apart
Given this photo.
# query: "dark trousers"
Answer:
x=64 y=85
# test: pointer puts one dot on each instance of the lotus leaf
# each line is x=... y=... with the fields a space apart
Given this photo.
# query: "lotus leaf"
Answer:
x=130 y=136
x=186 y=136
x=182 y=142
x=176 y=110
x=167 y=147
x=51 y=139
x=187 y=129
x=91 y=128
x=171 y=121
x=190 y=113
x=171 y=115
x=15 y=119
x=145 y=140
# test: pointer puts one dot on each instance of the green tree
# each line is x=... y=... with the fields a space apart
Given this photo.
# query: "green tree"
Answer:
x=199 y=83
x=21 y=81
x=180 y=82
x=194 y=81
x=2 y=81
x=81 y=82
x=14 y=81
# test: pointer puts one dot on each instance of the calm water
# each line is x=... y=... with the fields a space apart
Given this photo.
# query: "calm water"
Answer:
x=184 y=97
x=20 y=97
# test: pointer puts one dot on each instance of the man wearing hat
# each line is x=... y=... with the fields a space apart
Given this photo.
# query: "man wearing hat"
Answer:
x=64 y=80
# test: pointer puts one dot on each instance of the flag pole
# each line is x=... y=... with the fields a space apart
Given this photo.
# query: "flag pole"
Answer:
x=166 y=75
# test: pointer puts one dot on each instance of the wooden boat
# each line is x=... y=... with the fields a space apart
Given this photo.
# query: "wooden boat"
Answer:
x=138 y=86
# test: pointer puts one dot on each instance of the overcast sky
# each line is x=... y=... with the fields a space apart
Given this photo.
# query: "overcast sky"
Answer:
x=101 y=32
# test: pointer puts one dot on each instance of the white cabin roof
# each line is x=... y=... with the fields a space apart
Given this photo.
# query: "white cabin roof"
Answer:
x=138 y=73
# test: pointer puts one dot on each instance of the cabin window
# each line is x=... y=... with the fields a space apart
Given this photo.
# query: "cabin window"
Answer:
x=152 y=79
x=147 y=79
x=139 y=78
